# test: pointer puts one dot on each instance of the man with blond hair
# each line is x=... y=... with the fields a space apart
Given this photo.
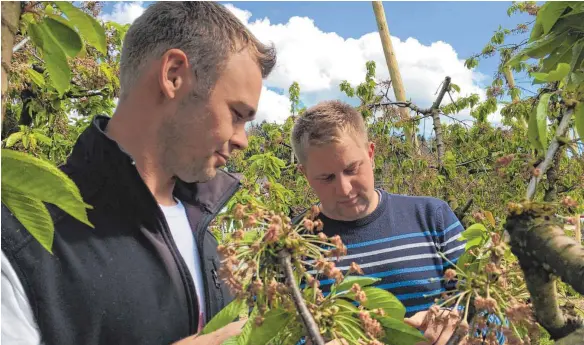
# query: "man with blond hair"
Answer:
x=190 y=79
x=406 y=241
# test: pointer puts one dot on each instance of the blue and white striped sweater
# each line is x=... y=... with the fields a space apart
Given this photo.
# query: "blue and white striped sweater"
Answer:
x=400 y=243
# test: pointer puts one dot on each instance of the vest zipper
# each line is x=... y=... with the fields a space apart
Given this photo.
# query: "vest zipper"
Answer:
x=183 y=271
x=201 y=231
x=188 y=282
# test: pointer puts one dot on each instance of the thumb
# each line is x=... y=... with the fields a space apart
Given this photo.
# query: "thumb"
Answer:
x=231 y=330
x=416 y=320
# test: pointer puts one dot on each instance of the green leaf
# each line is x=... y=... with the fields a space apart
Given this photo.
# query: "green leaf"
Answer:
x=562 y=70
x=544 y=46
x=473 y=235
x=42 y=181
x=561 y=54
x=532 y=132
x=537 y=30
x=41 y=137
x=379 y=298
x=13 y=139
x=122 y=29
x=465 y=258
x=225 y=316
x=400 y=333
x=32 y=213
x=244 y=337
x=348 y=282
x=542 y=112
x=275 y=320
x=230 y=341
x=66 y=37
x=88 y=27
x=33 y=142
x=455 y=87
x=345 y=306
x=55 y=58
x=549 y=14
x=577 y=55
x=25 y=141
x=36 y=77
x=349 y=328
x=579 y=119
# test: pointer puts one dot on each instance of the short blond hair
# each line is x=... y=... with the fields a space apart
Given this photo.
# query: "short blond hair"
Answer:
x=325 y=123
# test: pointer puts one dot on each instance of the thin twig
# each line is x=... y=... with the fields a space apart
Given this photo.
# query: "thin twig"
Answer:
x=305 y=315
x=20 y=44
x=457 y=120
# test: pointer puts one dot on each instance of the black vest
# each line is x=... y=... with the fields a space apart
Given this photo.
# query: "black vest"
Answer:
x=124 y=281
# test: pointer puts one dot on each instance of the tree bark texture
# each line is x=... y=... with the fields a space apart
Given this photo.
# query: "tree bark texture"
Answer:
x=436 y=121
x=10 y=21
x=551 y=192
x=543 y=249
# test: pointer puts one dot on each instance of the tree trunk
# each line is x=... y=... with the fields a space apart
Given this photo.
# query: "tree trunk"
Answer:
x=396 y=81
x=543 y=249
x=436 y=121
x=10 y=22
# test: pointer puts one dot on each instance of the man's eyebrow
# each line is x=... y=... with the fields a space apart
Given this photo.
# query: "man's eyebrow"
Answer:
x=245 y=109
x=352 y=165
x=324 y=175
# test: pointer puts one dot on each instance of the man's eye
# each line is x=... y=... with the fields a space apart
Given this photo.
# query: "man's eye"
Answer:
x=328 y=178
x=237 y=115
x=352 y=170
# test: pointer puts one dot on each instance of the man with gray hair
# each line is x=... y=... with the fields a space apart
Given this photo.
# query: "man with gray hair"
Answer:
x=190 y=77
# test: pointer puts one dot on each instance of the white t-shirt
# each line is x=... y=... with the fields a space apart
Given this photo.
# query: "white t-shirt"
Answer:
x=178 y=223
x=18 y=326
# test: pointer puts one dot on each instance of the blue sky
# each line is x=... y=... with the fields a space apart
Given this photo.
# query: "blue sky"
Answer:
x=467 y=26
x=323 y=43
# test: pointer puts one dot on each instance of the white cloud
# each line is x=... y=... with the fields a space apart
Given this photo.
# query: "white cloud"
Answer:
x=272 y=107
x=496 y=118
x=320 y=60
x=125 y=12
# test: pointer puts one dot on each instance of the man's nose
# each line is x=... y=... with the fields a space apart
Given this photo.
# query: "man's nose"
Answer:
x=344 y=186
x=239 y=139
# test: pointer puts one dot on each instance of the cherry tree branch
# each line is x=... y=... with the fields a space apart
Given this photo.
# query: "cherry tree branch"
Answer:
x=554 y=146
x=305 y=315
x=436 y=120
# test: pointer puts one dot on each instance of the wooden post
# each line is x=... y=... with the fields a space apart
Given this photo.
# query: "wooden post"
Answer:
x=511 y=83
x=10 y=21
x=396 y=81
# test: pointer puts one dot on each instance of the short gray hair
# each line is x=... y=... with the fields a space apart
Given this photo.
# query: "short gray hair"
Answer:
x=205 y=31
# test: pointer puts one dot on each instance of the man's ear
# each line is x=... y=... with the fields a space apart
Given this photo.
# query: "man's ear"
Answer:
x=371 y=150
x=174 y=75
x=301 y=168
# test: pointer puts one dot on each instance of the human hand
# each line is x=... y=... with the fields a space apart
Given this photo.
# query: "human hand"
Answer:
x=339 y=341
x=438 y=325
x=214 y=338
